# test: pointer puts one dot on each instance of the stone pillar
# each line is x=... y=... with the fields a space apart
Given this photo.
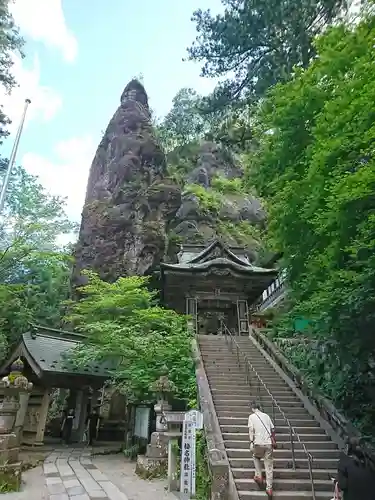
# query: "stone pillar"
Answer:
x=82 y=415
x=43 y=411
x=78 y=410
x=21 y=414
x=172 y=465
x=8 y=441
x=12 y=386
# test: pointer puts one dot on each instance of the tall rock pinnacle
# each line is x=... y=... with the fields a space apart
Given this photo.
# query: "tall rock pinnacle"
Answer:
x=123 y=228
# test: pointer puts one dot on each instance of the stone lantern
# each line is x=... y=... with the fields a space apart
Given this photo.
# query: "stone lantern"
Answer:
x=155 y=461
x=163 y=388
x=12 y=387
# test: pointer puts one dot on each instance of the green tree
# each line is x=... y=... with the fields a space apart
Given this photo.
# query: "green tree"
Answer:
x=124 y=323
x=34 y=270
x=316 y=169
x=10 y=42
x=258 y=42
x=184 y=122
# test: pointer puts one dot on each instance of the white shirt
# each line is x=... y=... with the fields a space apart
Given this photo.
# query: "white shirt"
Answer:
x=260 y=428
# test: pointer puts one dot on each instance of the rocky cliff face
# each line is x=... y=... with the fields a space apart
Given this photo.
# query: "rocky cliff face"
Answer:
x=128 y=200
x=137 y=211
x=213 y=203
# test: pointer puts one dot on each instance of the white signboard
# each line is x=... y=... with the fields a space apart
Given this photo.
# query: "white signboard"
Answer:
x=193 y=421
x=186 y=476
x=196 y=417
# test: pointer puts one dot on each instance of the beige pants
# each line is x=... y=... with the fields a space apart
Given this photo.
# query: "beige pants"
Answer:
x=264 y=453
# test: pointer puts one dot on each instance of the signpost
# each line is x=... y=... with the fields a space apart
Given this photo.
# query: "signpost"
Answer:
x=193 y=420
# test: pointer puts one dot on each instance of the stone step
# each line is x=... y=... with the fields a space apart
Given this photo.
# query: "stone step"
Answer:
x=292 y=413
x=318 y=474
x=320 y=440
x=295 y=422
x=245 y=390
x=285 y=463
x=280 y=429
x=228 y=376
x=286 y=495
x=266 y=402
x=284 y=445
x=241 y=379
x=233 y=387
x=244 y=399
x=286 y=453
x=214 y=370
x=287 y=485
x=232 y=394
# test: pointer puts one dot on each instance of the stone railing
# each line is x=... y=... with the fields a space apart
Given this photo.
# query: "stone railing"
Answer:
x=222 y=487
x=341 y=425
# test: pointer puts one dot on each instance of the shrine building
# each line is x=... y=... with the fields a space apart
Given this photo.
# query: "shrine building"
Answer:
x=214 y=283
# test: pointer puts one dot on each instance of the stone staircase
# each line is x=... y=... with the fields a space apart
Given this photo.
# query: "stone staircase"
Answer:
x=231 y=395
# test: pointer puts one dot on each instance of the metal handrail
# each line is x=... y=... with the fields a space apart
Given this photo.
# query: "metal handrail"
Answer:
x=292 y=431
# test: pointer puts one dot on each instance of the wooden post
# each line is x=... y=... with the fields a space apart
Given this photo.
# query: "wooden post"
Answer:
x=43 y=411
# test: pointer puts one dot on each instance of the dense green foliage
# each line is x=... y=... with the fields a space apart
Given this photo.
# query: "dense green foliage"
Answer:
x=34 y=270
x=316 y=168
x=185 y=130
x=10 y=42
x=259 y=41
x=123 y=322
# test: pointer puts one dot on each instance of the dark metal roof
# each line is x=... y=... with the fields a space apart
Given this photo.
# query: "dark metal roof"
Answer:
x=49 y=351
x=216 y=255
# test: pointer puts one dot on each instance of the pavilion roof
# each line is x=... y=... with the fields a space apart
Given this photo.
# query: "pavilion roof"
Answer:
x=49 y=353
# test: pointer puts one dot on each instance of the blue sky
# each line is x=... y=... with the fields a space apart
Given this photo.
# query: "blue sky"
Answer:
x=79 y=56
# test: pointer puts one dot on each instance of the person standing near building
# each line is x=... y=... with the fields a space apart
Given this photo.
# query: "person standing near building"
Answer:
x=262 y=444
x=67 y=425
x=92 y=421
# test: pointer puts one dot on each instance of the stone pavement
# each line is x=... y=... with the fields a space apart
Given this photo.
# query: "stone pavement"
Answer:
x=72 y=474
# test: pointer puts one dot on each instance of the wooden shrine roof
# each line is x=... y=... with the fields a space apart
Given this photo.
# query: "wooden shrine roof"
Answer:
x=48 y=353
x=195 y=259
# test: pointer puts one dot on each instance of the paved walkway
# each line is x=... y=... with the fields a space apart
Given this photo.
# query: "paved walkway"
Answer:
x=72 y=474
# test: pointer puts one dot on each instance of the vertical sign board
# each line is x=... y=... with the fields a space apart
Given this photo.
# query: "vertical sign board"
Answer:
x=193 y=421
x=186 y=476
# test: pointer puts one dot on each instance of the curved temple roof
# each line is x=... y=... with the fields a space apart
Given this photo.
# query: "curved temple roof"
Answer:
x=215 y=255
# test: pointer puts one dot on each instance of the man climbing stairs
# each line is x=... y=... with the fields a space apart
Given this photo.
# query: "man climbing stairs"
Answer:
x=232 y=395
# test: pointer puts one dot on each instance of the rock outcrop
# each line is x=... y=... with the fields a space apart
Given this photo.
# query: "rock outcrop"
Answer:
x=207 y=211
x=128 y=200
x=136 y=213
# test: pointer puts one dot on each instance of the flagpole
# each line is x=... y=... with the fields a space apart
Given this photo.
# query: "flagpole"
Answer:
x=13 y=157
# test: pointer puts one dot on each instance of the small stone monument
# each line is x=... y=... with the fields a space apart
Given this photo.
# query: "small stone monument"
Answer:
x=155 y=462
x=12 y=387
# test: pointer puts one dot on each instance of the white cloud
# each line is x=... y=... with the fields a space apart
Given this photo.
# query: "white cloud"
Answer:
x=44 y=21
x=45 y=102
x=68 y=176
